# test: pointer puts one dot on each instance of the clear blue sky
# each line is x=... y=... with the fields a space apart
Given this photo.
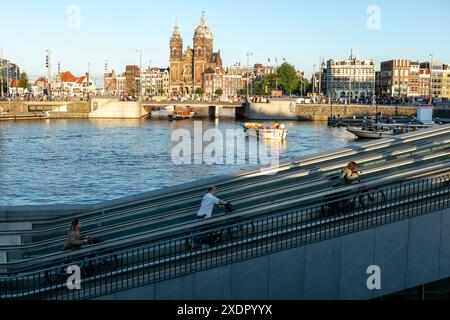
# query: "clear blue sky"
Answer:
x=299 y=30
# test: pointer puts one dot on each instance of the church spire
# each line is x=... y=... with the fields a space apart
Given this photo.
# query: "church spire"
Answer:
x=203 y=20
x=176 y=29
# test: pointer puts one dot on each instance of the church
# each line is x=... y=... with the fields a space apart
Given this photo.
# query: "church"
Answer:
x=188 y=66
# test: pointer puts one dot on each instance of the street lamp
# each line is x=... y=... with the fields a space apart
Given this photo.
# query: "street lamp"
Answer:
x=431 y=79
x=140 y=71
x=1 y=71
x=249 y=54
x=151 y=81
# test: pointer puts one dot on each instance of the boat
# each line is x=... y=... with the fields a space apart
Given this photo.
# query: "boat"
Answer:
x=384 y=130
x=181 y=115
x=253 y=125
x=162 y=112
x=258 y=131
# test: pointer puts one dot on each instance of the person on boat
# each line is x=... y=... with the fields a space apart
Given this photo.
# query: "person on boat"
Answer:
x=276 y=126
x=74 y=240
x=350 y=173
x=209 y=201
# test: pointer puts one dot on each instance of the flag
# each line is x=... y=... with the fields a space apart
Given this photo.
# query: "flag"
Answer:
x=284 y=59
x=268 y=60
x=276 y=60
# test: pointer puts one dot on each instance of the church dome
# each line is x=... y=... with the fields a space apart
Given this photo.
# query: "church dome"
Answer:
x=203 y=30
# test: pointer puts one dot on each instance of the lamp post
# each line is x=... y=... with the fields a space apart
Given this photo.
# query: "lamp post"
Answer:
x=1 y=72
x=88 y=83
x=140 y=72
x=151 y=81
x=49 y=69
x=431 y=79
x=249 y=54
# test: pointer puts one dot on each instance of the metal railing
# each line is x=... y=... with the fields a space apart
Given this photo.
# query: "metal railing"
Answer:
x=234 y=241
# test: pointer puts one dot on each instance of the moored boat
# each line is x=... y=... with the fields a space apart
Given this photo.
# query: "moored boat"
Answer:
x=383 y=130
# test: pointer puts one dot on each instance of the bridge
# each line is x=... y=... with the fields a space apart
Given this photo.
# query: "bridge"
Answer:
x=296 y=234
x=213 y=109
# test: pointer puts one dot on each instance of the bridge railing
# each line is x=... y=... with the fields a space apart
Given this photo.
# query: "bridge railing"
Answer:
x=232 y=242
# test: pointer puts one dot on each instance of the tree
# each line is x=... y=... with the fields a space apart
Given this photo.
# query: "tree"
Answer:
x=287 y=77
x=219 y=92
x=200 y=91
x=23 y=81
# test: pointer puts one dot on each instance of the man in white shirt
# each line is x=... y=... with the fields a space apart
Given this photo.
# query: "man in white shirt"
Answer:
x=208 y=203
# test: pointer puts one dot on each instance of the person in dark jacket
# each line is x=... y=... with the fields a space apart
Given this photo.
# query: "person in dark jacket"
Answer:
x=74 y=240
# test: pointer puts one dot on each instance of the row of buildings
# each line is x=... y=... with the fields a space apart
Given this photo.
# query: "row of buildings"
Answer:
x=200 y=66
x=357 y=79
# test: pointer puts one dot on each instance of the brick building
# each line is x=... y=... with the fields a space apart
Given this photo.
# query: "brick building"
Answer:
x=187 y=67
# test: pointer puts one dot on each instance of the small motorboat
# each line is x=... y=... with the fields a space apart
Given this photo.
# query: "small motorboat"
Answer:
x=258 y=131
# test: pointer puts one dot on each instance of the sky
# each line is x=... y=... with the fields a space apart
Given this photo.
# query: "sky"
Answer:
x=81 y=33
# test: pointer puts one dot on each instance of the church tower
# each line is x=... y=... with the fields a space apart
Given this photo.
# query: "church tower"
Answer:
x=176 y=56
x=203 y=50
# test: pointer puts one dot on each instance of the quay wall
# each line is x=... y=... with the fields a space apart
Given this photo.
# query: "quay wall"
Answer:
x=290 y=110
x=22 y=106
x=323 y=112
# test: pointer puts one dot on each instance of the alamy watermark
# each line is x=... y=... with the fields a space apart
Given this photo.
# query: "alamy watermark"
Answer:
x=374 y=19
x=214 y=147
x=74 y=280
x=73 y=21
x=374 y=280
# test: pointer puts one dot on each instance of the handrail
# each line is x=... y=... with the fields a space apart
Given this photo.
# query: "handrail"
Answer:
x=185 y=228
x=434 y=196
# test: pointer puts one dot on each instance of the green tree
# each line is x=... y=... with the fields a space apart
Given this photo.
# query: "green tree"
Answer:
x=200 y=91
x=23 y=81
x=219 y=92
x=287 y=78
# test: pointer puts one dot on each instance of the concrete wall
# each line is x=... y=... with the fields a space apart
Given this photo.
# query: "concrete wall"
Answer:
x=115 y=109
x=409 y=253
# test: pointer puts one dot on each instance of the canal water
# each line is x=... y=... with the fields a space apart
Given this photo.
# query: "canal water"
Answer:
x=89 y=161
